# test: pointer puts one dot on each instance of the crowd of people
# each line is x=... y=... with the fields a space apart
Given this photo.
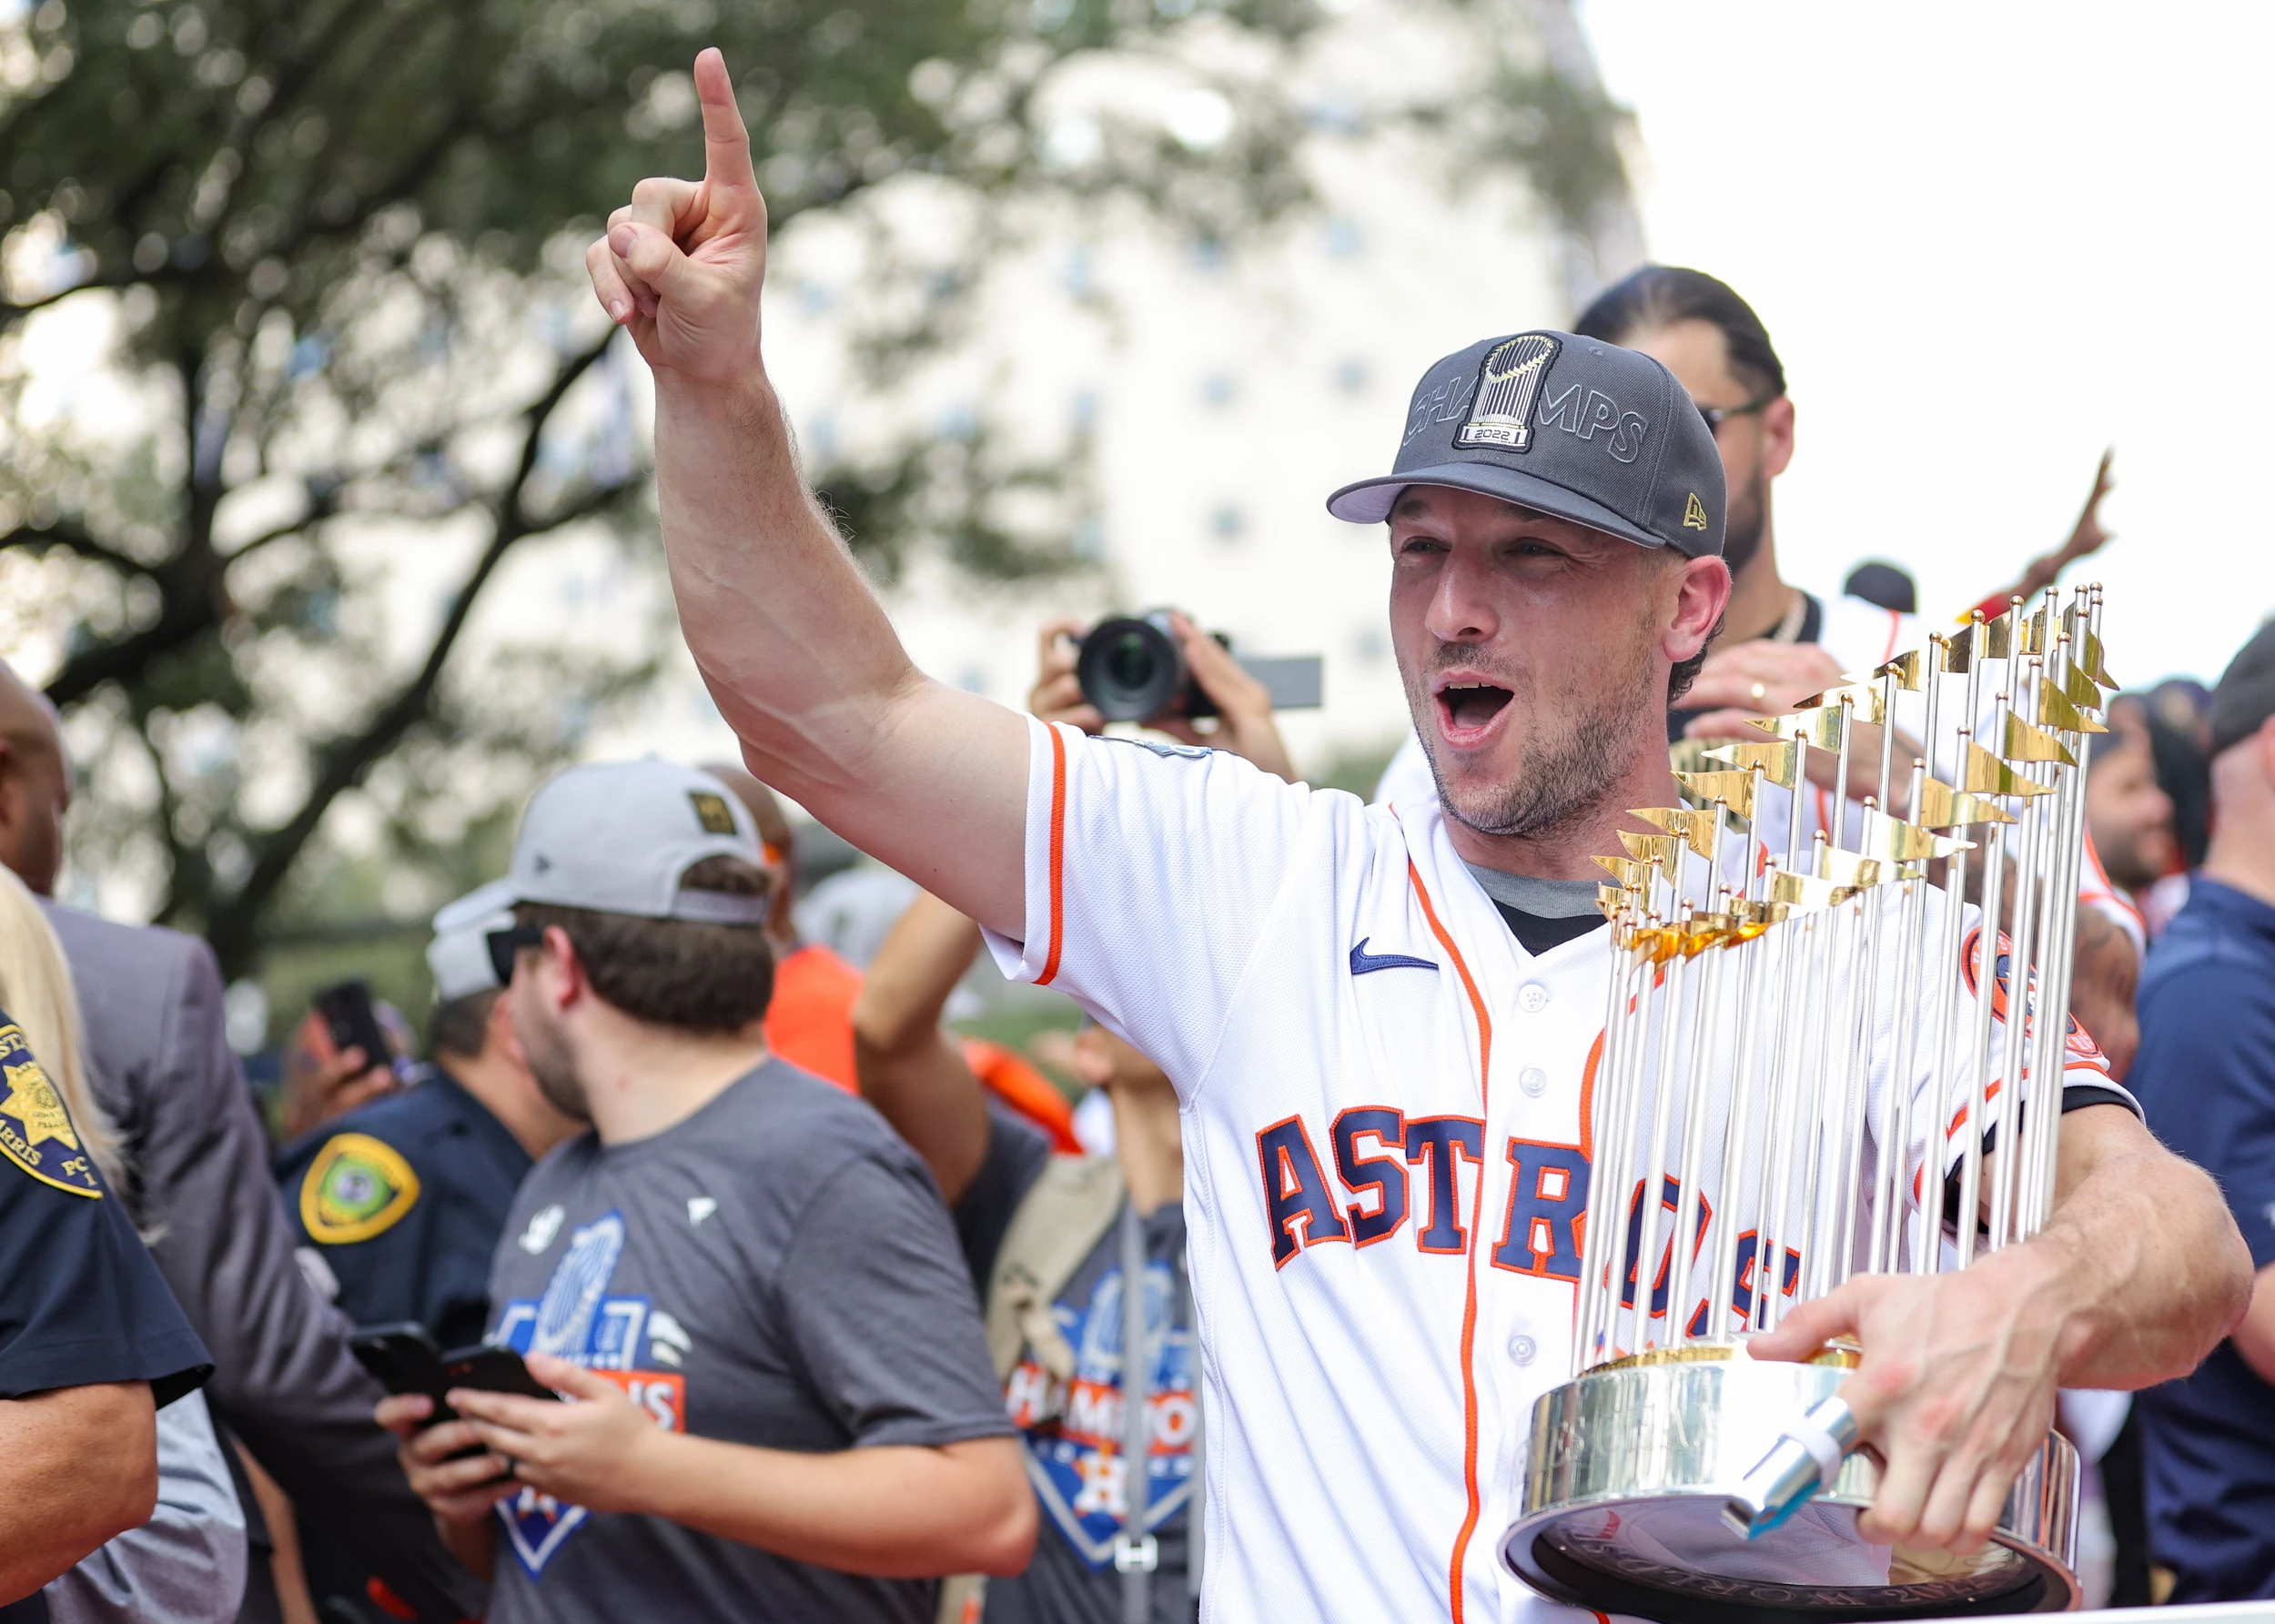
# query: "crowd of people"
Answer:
x=757 y=1290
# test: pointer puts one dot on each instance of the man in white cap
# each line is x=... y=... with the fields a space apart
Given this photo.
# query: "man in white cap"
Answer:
x=748 y=1282
x=403 y=1200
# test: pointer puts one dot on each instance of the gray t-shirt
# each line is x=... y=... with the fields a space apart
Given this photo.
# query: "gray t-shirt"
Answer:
x=1072 y=1431
x=776 y=1270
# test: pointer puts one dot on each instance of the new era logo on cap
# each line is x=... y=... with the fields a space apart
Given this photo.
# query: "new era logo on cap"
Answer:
x=1572 y=427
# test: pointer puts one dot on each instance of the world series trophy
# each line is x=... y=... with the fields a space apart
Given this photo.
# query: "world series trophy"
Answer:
x=1789 y=1071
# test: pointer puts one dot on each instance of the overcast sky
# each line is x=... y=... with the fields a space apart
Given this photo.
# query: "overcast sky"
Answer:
x=1988 y=240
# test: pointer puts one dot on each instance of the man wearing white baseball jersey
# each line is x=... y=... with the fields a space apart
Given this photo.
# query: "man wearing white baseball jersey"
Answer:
x=1383 y=1080
x=1779 y=644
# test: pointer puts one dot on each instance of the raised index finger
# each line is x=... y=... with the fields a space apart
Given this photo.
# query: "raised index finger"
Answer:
x=726 y=143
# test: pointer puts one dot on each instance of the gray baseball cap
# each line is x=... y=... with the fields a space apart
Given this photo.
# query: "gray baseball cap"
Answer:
x=459 y=956
x=618 y=837
x=1571 y=427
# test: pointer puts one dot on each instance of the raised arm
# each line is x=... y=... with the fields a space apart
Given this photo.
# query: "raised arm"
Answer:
x=910 y=1069
x=792 y=643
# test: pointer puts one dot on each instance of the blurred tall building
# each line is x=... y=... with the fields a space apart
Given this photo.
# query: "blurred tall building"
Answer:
x=1224 y=393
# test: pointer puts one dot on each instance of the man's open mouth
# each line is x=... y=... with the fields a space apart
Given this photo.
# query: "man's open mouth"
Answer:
x=1467 y=705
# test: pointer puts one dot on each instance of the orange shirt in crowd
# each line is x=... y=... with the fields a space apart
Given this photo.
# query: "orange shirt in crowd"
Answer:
x=810 y=1024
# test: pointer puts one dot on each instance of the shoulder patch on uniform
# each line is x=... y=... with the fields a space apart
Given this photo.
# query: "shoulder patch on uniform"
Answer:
x=356 y=1187
x=35 y=1131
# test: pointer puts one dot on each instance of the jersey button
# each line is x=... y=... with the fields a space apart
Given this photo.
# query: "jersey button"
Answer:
x=1533 y=998
x=1522 y=1349
x=1533 y=1080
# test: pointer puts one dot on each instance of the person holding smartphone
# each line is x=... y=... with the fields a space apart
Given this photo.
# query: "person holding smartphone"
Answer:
x=783 y=1405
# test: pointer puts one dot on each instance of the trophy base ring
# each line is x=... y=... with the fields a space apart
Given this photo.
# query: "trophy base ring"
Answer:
x=1628 y=1468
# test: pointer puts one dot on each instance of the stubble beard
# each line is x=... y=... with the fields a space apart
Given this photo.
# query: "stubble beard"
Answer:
x=555 y=1070
x=1568 y=773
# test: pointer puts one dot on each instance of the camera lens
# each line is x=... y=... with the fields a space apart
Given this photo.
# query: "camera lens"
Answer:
x=1130 y=669
x=1129 y=662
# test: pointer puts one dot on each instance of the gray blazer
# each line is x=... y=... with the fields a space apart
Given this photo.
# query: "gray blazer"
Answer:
x=283 y=1378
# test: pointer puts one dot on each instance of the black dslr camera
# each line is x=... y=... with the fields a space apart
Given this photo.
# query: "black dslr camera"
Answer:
x=1132 y=669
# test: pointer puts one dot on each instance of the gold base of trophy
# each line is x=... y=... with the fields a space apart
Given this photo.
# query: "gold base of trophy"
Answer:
x=1629 y=1468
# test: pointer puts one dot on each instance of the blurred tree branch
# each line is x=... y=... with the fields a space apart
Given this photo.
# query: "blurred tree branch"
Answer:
x=335 y=246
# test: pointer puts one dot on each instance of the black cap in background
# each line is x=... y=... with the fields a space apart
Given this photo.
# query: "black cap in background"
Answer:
x=2245 y=695
x=1575 y=428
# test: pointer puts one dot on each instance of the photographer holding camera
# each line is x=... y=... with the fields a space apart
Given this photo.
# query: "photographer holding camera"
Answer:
x=1243 y=723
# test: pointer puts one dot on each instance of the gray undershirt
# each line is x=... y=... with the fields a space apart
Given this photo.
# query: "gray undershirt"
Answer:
x=1544 y=899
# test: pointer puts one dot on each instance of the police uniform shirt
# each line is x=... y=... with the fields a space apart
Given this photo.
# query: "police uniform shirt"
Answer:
x=80 y=1301
x=405 y=1199
x=2205 y=1072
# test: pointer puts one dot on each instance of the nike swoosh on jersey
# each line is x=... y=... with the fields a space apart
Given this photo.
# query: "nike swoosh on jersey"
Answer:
x=1363 y=963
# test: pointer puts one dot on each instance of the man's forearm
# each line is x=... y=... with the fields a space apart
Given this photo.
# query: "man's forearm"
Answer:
x=962 y=1509
x=82 y=1466
x=2154 y=1269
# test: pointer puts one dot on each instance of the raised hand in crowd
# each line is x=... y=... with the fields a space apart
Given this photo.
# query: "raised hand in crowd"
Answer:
x=2085 y=538
x=322 y=1082
x=1244 y=723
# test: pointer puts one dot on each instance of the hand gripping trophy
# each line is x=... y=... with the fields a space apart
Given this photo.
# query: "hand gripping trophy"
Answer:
x=1792 y=1090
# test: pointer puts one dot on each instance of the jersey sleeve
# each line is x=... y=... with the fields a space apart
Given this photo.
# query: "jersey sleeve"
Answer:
x=80 y=1300
x=879 y=1305
x=1151 y=871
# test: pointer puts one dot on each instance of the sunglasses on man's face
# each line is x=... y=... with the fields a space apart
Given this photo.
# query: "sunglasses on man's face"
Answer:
x=506 y=946
x=1716 y=416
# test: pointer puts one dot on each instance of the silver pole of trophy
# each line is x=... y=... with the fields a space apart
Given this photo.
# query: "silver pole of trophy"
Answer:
x=1797 y=1079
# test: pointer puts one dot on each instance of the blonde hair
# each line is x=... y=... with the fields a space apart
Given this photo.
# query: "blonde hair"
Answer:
x=36 y=993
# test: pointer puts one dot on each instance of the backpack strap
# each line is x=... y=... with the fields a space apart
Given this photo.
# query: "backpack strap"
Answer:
x=1066 y=1212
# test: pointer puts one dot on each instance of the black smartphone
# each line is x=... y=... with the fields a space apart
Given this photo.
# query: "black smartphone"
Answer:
x=490 y=1368
x=404 y=1359
x=352 y=1022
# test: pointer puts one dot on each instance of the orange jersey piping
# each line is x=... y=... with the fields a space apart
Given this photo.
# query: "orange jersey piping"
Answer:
x=1468 y=1305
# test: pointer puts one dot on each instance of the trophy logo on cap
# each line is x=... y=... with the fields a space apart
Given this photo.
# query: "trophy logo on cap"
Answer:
x=1792 y=1091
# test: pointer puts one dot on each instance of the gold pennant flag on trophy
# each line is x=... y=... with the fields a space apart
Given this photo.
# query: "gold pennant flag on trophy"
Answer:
x=1806 y=891
x=1777 y=761
x=2090 y=658
x=1867 y=703
x=2081 y=688
x=1666 y=850
x=1893 y=838
x=1736 y=790
x=1943 y=807
x=2027 y=743
x=1988 y=775
x=1630 y=874
x=1822 y=724
x=1852 y=868
x=1910 y=668
x=1695 y=827
x=2056 y=710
